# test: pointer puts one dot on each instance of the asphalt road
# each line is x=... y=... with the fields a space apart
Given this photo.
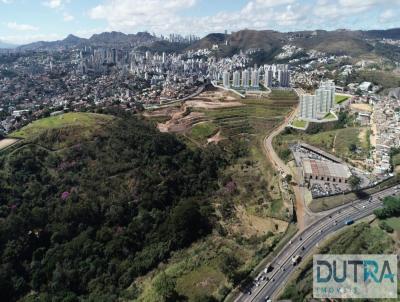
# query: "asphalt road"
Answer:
x=303 y=244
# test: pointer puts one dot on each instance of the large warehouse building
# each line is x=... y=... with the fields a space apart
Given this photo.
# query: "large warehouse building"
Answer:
x=324 y=170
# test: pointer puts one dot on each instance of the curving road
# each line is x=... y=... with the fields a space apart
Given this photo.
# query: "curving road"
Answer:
x=282 y=167
x=304 y=242
x=310 y=236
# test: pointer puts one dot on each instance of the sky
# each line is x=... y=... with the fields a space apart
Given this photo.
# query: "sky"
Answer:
x=25 y=21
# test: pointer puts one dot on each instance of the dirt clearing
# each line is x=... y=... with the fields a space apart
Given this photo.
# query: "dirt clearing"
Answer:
x=4 y=143
x=212 y=105
x=361 y=107
x=250 y=225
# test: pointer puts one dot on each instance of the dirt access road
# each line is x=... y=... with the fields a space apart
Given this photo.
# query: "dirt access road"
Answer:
x=280 y=166
x=304 y=215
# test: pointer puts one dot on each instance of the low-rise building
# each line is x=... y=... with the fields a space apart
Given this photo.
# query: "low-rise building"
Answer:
x=325 y=171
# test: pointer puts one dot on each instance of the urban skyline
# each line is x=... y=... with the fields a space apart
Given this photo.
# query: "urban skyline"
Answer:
x=143 y=160
x=24 y=22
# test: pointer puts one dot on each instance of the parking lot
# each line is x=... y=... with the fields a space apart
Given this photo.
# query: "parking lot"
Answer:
x=321 y=185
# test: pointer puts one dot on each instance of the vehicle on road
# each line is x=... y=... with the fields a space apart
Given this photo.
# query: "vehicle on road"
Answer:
x=296 y=259
x=268 y=268
x=349 y=222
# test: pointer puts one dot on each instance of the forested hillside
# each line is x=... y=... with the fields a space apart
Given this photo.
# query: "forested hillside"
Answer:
x=83 y=221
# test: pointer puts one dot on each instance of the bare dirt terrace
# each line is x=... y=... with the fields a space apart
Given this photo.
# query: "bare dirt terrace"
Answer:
x=361 y=107
x=4 y=143
x=183 y=118
x=255 y=215
x=212 y=104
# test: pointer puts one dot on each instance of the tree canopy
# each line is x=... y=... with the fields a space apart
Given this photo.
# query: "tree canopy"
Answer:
x=85 y=221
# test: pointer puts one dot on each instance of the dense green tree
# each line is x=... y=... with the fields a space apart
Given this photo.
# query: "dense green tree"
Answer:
x=164 y=286
x=354 y=182
x=391 y=208
x=84 y=222
x=352 y=147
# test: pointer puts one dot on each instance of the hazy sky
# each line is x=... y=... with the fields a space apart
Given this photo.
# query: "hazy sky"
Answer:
x=23 y=21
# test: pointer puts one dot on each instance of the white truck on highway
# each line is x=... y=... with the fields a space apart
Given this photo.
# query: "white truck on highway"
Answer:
x=296 y=259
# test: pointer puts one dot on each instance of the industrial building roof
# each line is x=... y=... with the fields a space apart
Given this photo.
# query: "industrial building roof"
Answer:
x=321 y=152
x=325 y=168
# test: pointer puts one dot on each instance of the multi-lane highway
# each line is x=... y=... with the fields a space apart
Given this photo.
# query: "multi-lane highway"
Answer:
x=268 y=285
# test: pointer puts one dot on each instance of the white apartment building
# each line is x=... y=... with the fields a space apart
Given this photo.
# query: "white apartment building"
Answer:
x=245 y=78
x=283 y=78
x=236 y=79
x=325 y=96
x=255 y=79
x=268 y=78
x=225 y=79
x=308 y=106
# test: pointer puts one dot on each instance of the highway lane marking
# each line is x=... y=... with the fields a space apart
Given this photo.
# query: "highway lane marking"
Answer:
x=284 y=275
x=350 y=211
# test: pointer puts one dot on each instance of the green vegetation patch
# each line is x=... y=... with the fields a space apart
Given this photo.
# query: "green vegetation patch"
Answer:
x=283 y=94
x=202 y=131
x=63 y=130
x=247 y=199
x=340 y=142
x=256 y=117
x=382 y=78
x=340 y=98
x=200 y=282
x=75 y=119
x=101 y=214
x=393 y=222
x=329 y=116
x=299 y=123
x=391 y=208
x=395 y=156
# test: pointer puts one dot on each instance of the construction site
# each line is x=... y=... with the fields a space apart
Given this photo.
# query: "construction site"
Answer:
x=183 y=117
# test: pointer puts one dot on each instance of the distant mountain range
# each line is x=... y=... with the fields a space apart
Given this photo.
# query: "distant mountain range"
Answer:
x=106 y=39
x=7 y=45
x=333 y=42
x=340 y=42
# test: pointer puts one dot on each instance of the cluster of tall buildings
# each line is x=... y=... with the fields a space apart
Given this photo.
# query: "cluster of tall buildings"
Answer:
x=318 y=105
x=145 y=64
x=245 y=79
x=268 y=75
x=177 y=38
